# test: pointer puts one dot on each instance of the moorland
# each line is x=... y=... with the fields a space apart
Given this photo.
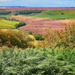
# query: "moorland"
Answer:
x=37 y=41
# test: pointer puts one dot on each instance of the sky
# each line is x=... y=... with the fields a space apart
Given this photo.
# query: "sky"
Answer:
x=38 y=3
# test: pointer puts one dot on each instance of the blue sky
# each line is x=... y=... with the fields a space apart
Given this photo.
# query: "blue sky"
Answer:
x=38 y=3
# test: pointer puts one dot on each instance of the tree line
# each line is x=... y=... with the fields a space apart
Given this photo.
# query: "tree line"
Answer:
x=3 y=12
x=26 y=12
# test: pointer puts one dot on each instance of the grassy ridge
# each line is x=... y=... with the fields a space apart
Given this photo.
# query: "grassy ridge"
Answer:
x=7 y=24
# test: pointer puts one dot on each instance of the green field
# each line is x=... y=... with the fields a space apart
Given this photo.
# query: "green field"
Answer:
x=7 y=23
x=5 y=16
x=57 y=14
x=53 y=14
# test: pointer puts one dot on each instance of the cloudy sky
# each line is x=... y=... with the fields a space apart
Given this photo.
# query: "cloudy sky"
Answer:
x=38 y=3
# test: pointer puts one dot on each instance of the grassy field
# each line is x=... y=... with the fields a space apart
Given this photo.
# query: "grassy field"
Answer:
x=57 y=14
x=6 y=16
x=54 y=14
x=7 y=24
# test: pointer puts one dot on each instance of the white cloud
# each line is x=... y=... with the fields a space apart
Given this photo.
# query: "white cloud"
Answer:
x=4 y=0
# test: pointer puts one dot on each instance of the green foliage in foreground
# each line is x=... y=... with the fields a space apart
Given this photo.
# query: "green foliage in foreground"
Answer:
x=37 y=61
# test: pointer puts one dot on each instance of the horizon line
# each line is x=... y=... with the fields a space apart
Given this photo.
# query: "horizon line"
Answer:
x=37 y=7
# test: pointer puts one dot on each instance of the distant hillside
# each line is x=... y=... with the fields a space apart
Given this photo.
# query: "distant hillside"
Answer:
x=28 y=8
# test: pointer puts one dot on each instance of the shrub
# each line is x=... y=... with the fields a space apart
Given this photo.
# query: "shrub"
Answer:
x=14 y=38
x=29 y=32
x=38 y=36
x=20 y=24
x=65 y=37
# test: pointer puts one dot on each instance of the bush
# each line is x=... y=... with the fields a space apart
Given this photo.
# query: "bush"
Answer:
x=37 y=61
x=29 y=32
x=14 y=38
x=64 y=37
x=38 y=36
x=20 y=24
